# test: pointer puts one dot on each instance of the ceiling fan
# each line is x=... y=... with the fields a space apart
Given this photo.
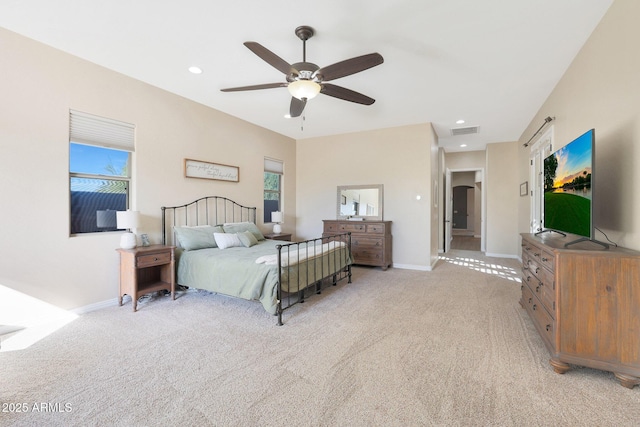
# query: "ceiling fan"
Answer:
x=305 y=79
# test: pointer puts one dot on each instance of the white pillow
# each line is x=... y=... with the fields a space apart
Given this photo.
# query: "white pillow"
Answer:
x=227 y=240
x=239 y=227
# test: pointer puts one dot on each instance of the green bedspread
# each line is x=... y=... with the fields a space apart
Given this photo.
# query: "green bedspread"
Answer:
x=234 y=271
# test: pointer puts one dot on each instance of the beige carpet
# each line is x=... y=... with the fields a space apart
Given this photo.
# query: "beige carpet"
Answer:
x=394 y=348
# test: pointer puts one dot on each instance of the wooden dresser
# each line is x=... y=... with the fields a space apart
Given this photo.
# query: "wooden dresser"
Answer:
x=370 y=240
x=585 y=303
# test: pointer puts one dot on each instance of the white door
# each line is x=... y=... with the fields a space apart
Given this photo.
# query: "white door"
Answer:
x=448 y=207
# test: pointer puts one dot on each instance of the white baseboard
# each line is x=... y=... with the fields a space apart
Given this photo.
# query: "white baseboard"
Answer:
x=98 y=305
x=501 y=255
x=413 y=267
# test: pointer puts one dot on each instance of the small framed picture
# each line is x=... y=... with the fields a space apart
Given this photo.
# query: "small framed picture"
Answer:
x=524 y=188
x=145 y=240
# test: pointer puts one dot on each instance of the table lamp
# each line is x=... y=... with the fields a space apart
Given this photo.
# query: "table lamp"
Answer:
x=276 y=218
x=127 y=220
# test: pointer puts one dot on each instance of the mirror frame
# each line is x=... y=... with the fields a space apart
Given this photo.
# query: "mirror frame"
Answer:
x=379 y=187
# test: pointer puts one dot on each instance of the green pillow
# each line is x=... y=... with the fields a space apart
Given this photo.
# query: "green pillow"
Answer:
x=247 y=238
x=239 y=227
x=199 y=237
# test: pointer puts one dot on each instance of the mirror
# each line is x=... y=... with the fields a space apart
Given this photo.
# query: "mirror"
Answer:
x=360 y=201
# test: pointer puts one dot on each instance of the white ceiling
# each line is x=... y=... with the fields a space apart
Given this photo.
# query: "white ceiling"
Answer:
x=490 y=62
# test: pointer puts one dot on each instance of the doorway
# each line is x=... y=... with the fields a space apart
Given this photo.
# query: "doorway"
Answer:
x=464 y=209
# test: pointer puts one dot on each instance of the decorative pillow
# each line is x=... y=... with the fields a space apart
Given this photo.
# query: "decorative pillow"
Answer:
x=198 y=237
x=239 y=227
x=247 y=238
x=227 y=240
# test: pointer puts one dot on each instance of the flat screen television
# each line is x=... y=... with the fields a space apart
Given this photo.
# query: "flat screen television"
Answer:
x=568 y=188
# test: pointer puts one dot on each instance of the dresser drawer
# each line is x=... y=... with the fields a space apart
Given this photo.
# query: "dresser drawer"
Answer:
x=331 y=227
x=368 y=255
x=360 y=242
x=352 y=227
x=538 y=254
x=545 y=293
x=153 y=259
x=375 y=229
x=541 y=318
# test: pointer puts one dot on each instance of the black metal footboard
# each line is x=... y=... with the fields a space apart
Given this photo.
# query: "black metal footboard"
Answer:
x=306 y=267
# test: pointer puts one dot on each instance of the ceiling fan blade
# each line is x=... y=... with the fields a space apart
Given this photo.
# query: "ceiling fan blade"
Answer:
x=349 y=66
x=255 y=87
x=345 y=94
x=297 y=106
x=271 y=58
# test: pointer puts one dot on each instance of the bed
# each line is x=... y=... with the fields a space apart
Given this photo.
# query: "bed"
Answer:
x=220 y=249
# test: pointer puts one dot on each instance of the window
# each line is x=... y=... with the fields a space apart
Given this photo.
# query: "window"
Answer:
x=99 y=171
x=273 y=172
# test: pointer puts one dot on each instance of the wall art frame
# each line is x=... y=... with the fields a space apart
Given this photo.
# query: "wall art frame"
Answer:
x=209 y=170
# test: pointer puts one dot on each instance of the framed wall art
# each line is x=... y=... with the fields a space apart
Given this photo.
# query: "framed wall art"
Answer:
x=209 y=170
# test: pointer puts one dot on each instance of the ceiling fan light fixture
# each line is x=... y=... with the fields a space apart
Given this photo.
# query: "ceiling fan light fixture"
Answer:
x=304 y=89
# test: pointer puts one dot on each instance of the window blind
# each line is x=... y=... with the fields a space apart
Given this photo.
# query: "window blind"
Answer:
x=88 y=129
x=274 y=166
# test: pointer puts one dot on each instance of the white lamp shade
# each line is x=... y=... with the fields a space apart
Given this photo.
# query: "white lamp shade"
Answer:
x=276 y=216
x=304 y=89
x=127 y=219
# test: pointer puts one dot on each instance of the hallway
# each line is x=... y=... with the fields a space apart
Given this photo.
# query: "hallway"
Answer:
x=461 y=239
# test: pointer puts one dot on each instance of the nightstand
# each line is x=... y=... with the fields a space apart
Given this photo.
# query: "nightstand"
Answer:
x=146 y=269
x=279 y=236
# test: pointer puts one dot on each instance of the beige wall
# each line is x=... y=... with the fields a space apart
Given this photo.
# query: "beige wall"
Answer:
x=601 y=90
x=39 y=85
x=466 y=160
x=403 y=159
x=503 y=192
x=463 y=178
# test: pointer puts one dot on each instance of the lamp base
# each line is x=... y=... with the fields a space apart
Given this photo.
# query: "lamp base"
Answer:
x=277 y=228
x=128 y=241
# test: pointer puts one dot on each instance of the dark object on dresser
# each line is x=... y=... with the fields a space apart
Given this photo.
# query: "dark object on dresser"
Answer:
x=370 y=240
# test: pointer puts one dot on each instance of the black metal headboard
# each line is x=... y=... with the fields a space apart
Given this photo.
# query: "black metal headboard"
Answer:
x=210 y=210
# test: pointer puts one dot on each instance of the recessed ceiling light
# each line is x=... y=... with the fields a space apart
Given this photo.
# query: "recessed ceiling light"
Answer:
x=460 y=122
x=287 y=116
x=463 y=145
x=195 y=70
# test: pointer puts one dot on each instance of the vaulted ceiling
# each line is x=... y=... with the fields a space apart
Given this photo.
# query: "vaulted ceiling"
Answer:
x=491 y=63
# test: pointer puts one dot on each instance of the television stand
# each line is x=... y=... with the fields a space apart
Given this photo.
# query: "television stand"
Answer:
x=584 y=304
x=586 y=239
x=550 y=230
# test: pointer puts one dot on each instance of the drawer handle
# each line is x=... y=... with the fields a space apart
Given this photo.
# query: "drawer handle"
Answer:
x=548 y=328
x=528 y=278
x=537 y=289
x=529 y=300
x=545 y=259
x=536 y=254
x=155 y=259
x=534 y=307
x=537 y=269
